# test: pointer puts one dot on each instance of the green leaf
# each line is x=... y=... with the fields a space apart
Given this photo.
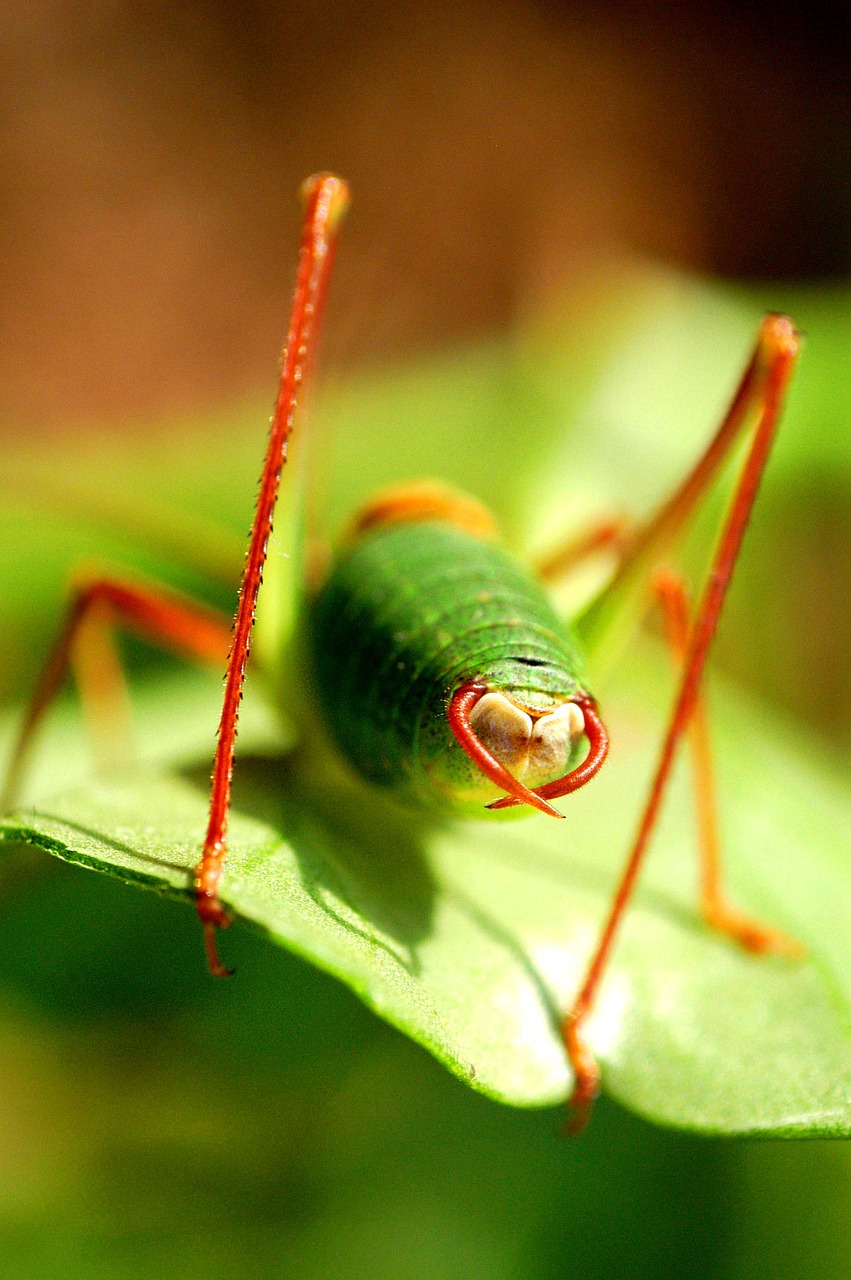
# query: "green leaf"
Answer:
x=472 y=938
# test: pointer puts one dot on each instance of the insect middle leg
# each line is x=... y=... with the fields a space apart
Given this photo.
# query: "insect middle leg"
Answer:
x=611 y=534
x=99 y=603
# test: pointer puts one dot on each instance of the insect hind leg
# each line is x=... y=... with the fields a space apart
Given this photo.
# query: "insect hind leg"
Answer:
x=762 y=388
x=672 y=594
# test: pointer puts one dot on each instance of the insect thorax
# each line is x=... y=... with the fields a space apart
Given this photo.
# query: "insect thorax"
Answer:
x=409 y=613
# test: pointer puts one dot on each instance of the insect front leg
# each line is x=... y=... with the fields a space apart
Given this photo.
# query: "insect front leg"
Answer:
x=763 y=388
x=326 y=198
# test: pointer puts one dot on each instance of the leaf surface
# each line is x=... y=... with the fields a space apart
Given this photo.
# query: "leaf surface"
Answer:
x=471 y=937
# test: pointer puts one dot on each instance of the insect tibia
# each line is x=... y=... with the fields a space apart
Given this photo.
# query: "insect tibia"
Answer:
x=779 y=337
x=334 y=191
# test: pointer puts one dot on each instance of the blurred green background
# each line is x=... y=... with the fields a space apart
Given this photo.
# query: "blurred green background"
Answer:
x=516 y=167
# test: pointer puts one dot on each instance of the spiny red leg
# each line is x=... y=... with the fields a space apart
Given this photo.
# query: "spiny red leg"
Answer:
x=152 y=612
x=325 y=198
x=672 y=594
x=764 y=384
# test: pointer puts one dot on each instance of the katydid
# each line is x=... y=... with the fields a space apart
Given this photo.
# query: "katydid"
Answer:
x=436 y=662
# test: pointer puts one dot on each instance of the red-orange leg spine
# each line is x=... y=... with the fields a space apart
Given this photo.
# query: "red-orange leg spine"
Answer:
x=325 y=198
x=765 y=382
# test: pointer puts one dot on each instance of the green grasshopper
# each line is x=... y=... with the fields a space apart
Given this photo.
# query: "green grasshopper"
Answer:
x=437 y=664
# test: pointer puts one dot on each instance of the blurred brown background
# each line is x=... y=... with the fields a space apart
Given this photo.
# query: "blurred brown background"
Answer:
x=150 y=152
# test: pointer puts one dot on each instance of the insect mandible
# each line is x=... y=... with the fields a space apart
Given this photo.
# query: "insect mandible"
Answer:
x=439 y=665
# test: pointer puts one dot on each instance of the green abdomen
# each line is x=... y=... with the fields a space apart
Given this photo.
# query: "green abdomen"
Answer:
x=409 y=614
